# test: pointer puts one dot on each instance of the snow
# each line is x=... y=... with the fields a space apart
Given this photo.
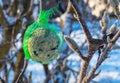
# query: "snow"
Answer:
x=38 y=74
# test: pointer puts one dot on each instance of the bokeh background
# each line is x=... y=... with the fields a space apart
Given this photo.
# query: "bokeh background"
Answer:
x=16 y=15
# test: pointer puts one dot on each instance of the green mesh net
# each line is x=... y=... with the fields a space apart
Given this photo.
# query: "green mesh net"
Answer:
x=42 y=42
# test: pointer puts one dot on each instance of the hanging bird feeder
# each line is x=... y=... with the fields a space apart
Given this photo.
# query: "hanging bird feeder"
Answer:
x=42 y=41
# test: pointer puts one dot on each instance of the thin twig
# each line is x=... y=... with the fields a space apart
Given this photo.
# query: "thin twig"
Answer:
x=84 y=64
x=23 y=70
x=93 y=44
x=29 y=77
x=40 y=8
x=29 y=10
x=6 y=74
x=104 y=55
x=81 y=21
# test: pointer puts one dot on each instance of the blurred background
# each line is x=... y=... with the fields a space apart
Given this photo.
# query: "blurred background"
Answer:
x=16 y=15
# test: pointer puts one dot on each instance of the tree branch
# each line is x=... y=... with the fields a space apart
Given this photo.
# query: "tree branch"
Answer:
x=93 y=45
x=21 y=74
x=103 y=56
x=81 y=21
x=84 y=66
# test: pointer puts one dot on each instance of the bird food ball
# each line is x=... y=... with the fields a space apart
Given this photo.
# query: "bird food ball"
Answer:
x=42 y=43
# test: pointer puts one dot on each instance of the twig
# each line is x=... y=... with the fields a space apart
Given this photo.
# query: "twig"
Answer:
x=6 y=74
x=29 y=77
x=84 y=64
x=93 y=44
x=81 y=21
x=23 y=70
x=29 y=10
x=45 y=66
x=40 y=4
x=61 y=6
x=103 y=55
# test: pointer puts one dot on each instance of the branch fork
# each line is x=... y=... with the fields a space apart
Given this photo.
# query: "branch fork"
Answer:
x=93 y=46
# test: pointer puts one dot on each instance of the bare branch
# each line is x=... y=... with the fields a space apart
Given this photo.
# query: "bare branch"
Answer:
x=30 y=77
x=29 y=10
x=21 y=74
x=103 y=55
x=81 y=21
x=115 y=38
x=84 y=66
x=96 y=74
